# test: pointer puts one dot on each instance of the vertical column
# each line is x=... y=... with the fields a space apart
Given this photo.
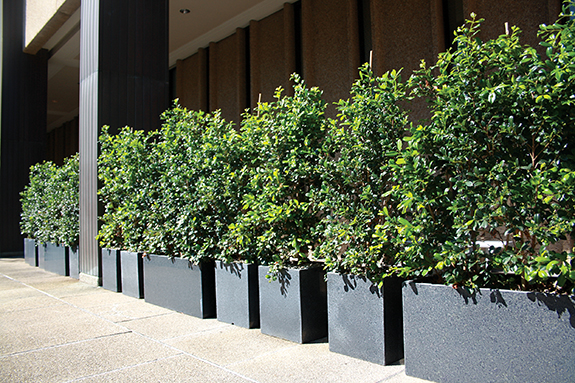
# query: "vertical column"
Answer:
x=272 y=54
x=526 y=14
x=123 y=81
x=331 y=46
x=88 y=120
x=23 y=121
x=192 y=81
x=227 y=75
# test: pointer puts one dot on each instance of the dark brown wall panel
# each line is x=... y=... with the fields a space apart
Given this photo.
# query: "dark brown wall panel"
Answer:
x=404 y=33
x=330 y=45
x=272 y=54
x=228 y=75
x=192 y=81
x=23 y=126
x=526 y=14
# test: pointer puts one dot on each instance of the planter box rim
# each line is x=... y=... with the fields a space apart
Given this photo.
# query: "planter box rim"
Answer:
x=480 y=289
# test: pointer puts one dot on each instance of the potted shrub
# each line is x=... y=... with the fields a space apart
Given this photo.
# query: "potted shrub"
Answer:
x=222 y=184
x=280 y=214
x=364 y=307
x=494 y=162
x=124 y=170
x=50 y=213
x=181 y=238
x=32 y=207
x=68 y=199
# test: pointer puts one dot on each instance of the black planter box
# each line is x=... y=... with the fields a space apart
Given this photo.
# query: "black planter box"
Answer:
x=490 y=336
x=111 y=270
x=30 y=252
x=132 y=274
x=365 y=321
x=294 y=307
x=237 y=294
x=54 y=258
x=74 y=256
x=178 y=284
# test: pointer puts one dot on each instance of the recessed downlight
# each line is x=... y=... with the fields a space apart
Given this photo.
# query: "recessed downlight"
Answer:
x=184 y=11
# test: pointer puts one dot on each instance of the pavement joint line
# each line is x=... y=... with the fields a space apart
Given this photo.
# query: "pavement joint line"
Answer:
x=137 y=333
x=135 y=319
x=124 y=368
x=29 y=309
x=62 y=345
x=392 y=375
x=262 y=355
x=197 y=333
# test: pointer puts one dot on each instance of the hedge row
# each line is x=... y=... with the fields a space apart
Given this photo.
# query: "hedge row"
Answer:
x=50 y=203
x=371 y=192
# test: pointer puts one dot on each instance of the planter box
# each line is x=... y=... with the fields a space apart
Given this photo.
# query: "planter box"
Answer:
x=30 y=252
x=74 y=255
x=111 y=270
x=490 y=336
x=237 y=294
x=177 y=284
x=54 y=258
x=365 y=321
x=294 y=307
x=132 y=273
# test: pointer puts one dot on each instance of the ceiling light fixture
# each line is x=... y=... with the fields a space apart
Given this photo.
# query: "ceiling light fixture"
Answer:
x=184 y=11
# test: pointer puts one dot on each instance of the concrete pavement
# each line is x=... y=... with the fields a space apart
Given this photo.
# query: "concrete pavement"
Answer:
x=57 y=329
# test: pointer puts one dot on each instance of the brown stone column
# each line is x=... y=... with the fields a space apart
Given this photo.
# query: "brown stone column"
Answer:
x=331 y=46
x=526 y=14
x=272 y=54
x=228 y=75
x=192 y=81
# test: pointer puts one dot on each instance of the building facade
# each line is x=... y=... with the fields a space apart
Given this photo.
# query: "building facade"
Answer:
x=71 y=66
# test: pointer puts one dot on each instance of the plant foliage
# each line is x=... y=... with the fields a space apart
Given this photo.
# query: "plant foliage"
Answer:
x=357 y=176
x=50 y=203
x=495 y=162
x=284 y=139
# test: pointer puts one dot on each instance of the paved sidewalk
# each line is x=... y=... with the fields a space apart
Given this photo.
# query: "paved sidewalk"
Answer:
x=56 y=329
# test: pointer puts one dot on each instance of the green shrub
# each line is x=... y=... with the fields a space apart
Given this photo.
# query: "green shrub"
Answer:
x=67 y=200
x=495 y=161
x=357 y=177
x=50 y=203
x=196 y=154
x=125 y=171
x=284 y=142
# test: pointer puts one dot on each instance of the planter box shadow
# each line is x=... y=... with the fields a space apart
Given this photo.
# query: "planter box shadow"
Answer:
x=488 y=336
x=237 y=294
x=111 y=270
x=365 y=322
x=177 y=284
x=294 y=307
x=30 y=252
x=132 y=272
x=54 y=258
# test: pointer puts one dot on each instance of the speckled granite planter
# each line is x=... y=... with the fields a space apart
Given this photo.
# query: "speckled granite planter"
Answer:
x=294 y=307
x=53 y=258
x=237 y=294
x=74 y=256
x=177 y=284
x=30 y=252
x=132 y=271
x=365 y=321
x=452 y=336
x=111 y=270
